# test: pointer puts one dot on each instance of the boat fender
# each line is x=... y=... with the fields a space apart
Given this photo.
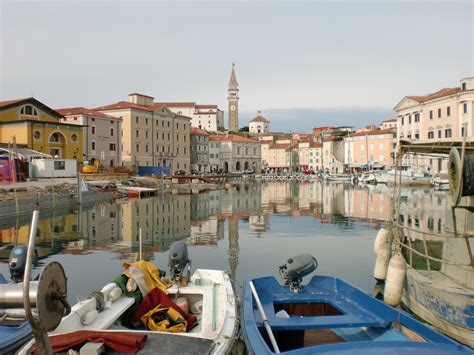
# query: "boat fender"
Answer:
x=395 y=280
x=383 y=239
x=115 y=294
x=381 y=264
x=89 y=317
x=131 y=285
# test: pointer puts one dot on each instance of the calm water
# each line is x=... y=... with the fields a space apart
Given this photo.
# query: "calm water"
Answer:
x=249 y=230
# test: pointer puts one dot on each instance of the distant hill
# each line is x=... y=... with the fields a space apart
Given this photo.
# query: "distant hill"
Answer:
x=304 y=119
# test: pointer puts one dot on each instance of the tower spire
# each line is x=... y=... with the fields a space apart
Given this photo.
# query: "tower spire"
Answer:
x=233 y=80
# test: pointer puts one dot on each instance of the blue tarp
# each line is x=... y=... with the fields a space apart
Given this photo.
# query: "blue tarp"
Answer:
x=153 y=170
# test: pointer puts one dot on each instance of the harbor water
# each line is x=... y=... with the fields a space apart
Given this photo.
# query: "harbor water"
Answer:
x=248 y=230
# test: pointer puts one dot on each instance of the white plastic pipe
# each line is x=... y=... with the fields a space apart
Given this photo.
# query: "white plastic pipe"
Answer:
x=265 y=320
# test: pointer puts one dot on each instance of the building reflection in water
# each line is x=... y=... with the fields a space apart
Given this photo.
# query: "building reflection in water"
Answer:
x=199 y=218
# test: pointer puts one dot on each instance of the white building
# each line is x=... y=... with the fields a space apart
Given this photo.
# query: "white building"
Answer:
x=259 y=124
x=207 y=117
x=236 y=153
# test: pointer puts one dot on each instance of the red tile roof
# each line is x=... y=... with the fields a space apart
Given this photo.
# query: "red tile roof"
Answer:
x=198 y=131
x=436 y=95
x=176 y=104
x=124 y=105
x=316 y=145
x=83 y=111
x=10 y=102
x=374 y=132
x=231 y=138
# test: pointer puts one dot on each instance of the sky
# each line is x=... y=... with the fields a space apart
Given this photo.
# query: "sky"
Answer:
x=302 y=63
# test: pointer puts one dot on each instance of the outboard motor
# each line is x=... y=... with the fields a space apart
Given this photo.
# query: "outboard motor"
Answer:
x=17 y=263
x=178 y=260
x=296 y=268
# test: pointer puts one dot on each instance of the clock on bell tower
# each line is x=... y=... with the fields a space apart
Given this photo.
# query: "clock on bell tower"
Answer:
x=233 y=100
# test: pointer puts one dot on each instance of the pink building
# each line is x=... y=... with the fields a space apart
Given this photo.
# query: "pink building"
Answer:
x=374 y=147
x=102 y=134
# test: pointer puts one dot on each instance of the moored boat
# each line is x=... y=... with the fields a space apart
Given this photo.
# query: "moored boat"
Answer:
x=329 y=315
x=206 y=321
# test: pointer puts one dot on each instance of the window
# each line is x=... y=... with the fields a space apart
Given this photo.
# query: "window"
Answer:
x=417 y=117
x=464 y=87
x=93 y=145
x=409 y=119
x=74 y=137
x=431 y=135
x=168 y=124
x=146 y=120
x=431 y=115
x=464 y=107
x=417 y=136
x=137 y=133
x=462 y=132
x=403 y=120
x=146 y=148
x=137 y=147
x=28 y=110
x=177 y=125
x=439 y=113
x=439 y=133
x=177 y=137
x=448 y=111
x=146 y=134
x=93 y=129
x=447 y=133
x=136 y=119
x=112 y=147
x=37 y=135
x=59 y=165
x=111 y=132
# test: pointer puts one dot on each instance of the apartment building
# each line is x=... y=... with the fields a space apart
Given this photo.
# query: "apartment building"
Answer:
x=199 y=150
x=315 y=156
x=333 y=155
x=443 y=116
x=207 y=117
x=152 y=135
x=370 y=148
x=446 y=115
x=101 y=134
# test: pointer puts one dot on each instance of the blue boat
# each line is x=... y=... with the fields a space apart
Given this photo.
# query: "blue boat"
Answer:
x=13 y=333
x=329 y=315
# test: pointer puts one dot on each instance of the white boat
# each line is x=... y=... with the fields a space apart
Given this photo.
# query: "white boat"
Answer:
x=210 y=297
x=440 y=183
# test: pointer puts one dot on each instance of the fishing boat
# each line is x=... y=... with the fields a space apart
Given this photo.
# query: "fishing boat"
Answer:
x=329 y=315
x=438 y=256
x=111 y=314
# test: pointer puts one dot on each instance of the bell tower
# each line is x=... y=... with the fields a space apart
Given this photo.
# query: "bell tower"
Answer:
x=233 y=99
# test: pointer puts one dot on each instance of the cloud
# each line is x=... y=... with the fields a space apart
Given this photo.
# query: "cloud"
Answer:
x=302 y=119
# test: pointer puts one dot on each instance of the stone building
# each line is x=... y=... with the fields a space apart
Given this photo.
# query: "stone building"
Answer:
x=152 y=135
x=199 y=150
x=237 y=153
x=259 y=124
x=101 y=134
x=38 y=127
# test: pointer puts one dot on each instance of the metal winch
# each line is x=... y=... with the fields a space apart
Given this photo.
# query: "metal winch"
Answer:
x=296 y=268
x=48 y=295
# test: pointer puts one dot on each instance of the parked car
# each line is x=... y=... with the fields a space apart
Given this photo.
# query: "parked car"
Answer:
x=308 y=172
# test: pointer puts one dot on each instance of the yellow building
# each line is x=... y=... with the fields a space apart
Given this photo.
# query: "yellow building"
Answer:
x=38 y=127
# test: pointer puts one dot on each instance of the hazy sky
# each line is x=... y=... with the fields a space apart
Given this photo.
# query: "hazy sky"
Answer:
x=322 y=58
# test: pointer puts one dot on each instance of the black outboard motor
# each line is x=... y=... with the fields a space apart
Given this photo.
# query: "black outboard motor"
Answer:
x=178 y=260
x=17 y=263
x=296 y=268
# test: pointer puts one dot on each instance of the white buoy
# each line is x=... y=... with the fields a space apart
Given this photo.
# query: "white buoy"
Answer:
x=395 y=280
x=381 y=264
x=383 y=239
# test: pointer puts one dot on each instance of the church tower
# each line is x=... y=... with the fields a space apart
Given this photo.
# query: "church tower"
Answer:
x=233 y=99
